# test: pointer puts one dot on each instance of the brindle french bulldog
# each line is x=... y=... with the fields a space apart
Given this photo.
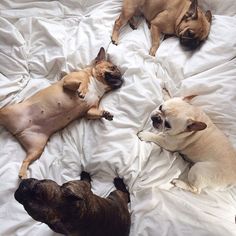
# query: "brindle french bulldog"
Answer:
x=182 y=18
x=72 y=209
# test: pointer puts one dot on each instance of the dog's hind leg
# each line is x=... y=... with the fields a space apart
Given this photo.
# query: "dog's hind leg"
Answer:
x=85 y=177
x=119 y=184
x=125 y=16
x=34 y=144
x=31 y=156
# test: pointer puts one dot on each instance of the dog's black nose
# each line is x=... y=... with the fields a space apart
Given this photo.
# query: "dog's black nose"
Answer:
x=156 y=119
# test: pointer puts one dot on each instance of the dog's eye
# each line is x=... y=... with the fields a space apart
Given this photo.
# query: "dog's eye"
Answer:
x=167 y=124
x=160 y=107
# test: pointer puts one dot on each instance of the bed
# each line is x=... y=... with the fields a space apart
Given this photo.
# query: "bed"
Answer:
x=39 y=39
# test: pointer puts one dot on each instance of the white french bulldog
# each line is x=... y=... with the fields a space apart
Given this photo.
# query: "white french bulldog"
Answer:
x=188 y=130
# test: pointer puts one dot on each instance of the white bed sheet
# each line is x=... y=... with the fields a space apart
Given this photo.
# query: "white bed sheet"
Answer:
x=39 y=39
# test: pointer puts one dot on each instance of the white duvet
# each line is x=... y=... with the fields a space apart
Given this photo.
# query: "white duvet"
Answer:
x=39 y=39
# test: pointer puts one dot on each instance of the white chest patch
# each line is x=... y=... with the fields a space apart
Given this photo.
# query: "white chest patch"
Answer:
x=96 y=89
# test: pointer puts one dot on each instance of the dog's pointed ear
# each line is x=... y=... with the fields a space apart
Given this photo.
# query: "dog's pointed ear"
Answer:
x=63 y=74
x=189 y=98
x=192 y=11
x=208 y=16
x=70 y=192
x=101 y=55
x=193 y=125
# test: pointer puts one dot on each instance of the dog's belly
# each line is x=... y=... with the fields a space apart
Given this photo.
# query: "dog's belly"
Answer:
x=46 y=112
x=51 y=120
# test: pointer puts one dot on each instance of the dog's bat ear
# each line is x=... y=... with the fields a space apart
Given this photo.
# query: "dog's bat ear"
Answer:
x=101 y=55
x=192 y=11
x=193 y=125
x=208 y=16
x=189 y=98
x=62 y=74
x=70 y=192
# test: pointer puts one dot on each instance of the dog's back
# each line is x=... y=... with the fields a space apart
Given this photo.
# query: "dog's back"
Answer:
x=73 y=209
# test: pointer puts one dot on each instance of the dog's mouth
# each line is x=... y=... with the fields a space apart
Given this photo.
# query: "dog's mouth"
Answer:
x=188 y=39
x=115 y=81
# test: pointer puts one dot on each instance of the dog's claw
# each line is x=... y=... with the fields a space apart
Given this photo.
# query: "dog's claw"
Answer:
x=114 y=41
x=107 y=115
x=80 y=95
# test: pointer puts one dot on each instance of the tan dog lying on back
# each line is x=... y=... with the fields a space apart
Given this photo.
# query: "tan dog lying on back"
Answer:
x=77 y=95
x=188 y=130
x=182 y=18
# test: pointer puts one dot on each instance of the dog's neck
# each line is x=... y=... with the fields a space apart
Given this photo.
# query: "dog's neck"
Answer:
x=96 y=90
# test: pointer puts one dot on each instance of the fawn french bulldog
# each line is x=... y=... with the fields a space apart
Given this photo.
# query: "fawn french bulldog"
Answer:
x=72 y=209
x=182 y=18
x=188 y=130
x=76 y=95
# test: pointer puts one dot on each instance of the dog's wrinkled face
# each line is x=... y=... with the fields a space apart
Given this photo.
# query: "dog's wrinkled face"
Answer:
x=47 y=202
x=107 y=72
x=176 y=116
x=194 y=27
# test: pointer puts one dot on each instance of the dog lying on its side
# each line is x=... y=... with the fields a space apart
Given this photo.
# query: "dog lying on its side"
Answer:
x=77 y=95
x=182 y=18
x=72 y=209
x=188 y=130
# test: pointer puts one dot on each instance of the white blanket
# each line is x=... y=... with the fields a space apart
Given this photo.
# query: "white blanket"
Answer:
x=39 y=39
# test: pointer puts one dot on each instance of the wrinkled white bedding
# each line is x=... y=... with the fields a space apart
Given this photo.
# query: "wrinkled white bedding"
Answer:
x=39 y=39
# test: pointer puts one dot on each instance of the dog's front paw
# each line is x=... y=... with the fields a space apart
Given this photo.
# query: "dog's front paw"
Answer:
x=107 y=115
x=22 y=175
x=80 y=94
x=143 y=136
x=114 y=40
x=175 y=182
x=152 y=52
x=119 y=184
x=85 y=176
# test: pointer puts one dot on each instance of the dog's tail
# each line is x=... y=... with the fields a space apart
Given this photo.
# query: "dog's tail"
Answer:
x=119 y=184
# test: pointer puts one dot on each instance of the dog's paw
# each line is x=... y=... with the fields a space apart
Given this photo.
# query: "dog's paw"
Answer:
x=175 y=182
x=80 y=94
x=119 y=184
x=152 y=52
x=107 y=115
x=22 y=175
x=143 y=136
x=85 y=176
x=114 y=41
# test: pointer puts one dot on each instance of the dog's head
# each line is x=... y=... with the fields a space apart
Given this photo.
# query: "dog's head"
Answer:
x=47 y=202
x=177 y=116
x=194 y=27
x=106 y=72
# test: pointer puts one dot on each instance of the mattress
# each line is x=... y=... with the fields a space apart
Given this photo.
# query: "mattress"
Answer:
x=39 y=39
